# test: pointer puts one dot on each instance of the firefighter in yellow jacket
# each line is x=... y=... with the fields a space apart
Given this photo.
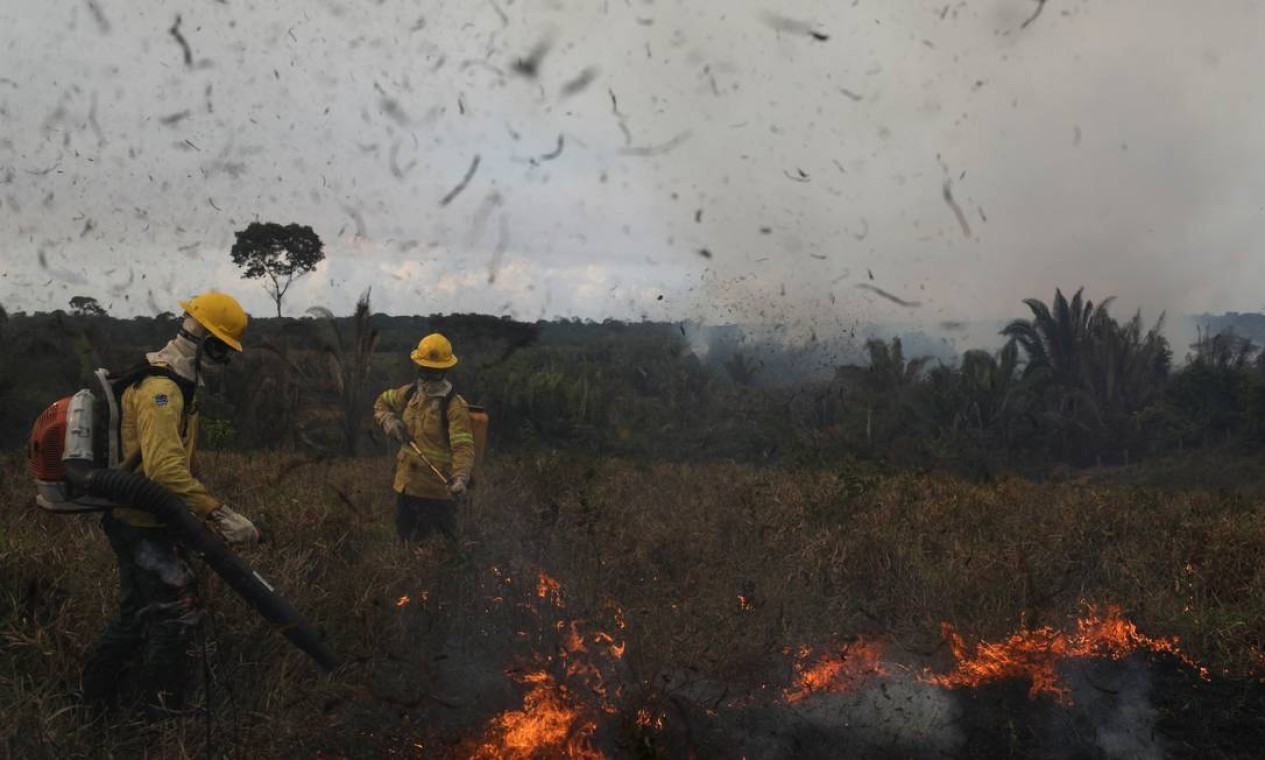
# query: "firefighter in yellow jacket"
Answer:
x=159 y=611
x=432 y=424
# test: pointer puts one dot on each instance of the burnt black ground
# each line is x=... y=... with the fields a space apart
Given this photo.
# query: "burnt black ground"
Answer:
x=435 y=696
x=1176 y=714
x=1143 y=707
x=1221 y=718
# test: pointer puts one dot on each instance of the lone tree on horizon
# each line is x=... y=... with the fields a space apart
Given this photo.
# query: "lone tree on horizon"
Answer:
x=281 y=254
x=86 y=306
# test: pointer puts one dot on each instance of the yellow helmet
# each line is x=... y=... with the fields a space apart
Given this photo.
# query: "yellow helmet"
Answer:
x=221 y=315
x=434 y=352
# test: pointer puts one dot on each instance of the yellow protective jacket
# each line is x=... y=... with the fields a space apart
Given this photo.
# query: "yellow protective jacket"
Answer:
x=454 y=457
x=152 y=412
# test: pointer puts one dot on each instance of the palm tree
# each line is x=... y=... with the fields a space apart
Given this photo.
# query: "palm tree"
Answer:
x=1091 y=374
x=992 y=385
x=1054 y=339
x=1217 y=393
x=1123 y=373
x=1223 y=351
x=974 y=404
x=888 y=384
x=889 y=369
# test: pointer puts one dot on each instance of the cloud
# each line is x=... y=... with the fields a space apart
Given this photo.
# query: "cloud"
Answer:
x=1113 y=146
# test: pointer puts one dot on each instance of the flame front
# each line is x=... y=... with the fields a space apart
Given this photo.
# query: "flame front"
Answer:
x=1032 y=655
x=844 y=670
x=1035 y=654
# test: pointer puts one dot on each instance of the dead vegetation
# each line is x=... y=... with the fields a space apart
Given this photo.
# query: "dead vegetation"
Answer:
x=714 y=570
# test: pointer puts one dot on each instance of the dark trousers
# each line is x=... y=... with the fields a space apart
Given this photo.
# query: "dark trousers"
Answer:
x=159 y=619
x=417 y=519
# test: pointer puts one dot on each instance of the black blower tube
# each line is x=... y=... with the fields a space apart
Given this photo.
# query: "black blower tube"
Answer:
x=128 y=488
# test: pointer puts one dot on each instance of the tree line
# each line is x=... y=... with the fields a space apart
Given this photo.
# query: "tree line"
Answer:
x=1073 y=384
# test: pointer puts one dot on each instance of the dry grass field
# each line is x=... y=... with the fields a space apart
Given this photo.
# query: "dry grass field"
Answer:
x=627 y=593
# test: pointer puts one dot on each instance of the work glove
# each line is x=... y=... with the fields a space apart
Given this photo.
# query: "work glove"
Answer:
x=395 y=429
x=235 y=529
x=458 y=486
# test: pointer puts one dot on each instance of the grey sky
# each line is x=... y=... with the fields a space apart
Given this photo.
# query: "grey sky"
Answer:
x=1112 y=144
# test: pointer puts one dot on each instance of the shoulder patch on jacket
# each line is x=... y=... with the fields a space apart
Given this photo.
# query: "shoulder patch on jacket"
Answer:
x=163 y=390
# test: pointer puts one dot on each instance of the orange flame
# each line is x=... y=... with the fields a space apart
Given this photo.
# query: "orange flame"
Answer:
x=1035 y=654
x=567 y=692
x=574 y=639
x=646 y=719
x=549 y=725
x=744 y=603
x=402 y=601
x=548 y=588
x=616 y=649
x=845 y=670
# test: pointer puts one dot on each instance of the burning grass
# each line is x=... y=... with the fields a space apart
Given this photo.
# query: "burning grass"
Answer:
x=595 y=605
x=551 y=723
x=844 y=668
x=1036 y=654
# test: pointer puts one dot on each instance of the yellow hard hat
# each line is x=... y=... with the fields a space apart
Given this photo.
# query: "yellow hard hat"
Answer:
x=221 y=315
x=434 y=352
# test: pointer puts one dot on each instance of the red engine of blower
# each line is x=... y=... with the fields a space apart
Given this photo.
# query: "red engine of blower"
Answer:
x=65 y=430
x=48 y=443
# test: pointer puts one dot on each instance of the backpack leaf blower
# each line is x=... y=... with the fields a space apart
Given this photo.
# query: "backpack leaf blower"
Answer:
x=69 y=478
